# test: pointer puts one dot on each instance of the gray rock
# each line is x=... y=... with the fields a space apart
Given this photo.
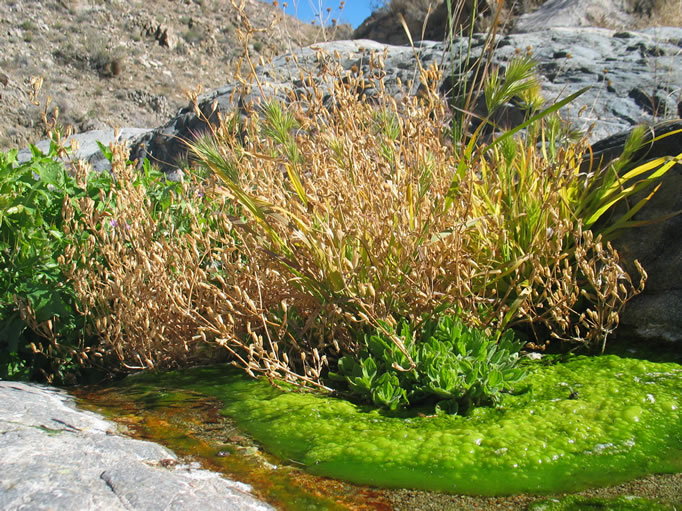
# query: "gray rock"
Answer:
x=56 y=457
x=384 y=24
x=634 y=78
x=88 y=149
x=656 y=314
x=618 y=14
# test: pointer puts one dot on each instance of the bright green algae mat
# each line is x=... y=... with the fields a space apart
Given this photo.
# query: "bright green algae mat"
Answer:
x=591 y=421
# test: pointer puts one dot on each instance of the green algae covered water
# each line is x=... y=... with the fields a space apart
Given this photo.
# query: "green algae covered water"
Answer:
x=587 y=422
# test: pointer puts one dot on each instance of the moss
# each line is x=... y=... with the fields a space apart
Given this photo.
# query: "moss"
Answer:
x=584 y=423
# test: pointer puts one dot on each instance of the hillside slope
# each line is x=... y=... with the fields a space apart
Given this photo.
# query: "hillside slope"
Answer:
x=126 y=62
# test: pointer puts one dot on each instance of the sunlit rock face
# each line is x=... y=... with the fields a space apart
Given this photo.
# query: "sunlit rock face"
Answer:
x=632 y=78
x=55 y=456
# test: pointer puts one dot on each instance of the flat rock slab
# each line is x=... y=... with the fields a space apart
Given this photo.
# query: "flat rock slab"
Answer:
x=88 y=149
x=54 y=456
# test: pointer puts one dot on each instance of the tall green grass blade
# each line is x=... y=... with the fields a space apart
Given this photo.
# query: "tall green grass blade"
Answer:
x=292 y=172
x=637 y=171
x=555 y=107
x=609 y=200
x=623 y=222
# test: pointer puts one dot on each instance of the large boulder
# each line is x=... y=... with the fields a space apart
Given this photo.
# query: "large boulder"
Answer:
x=429 y=19
x=615 y=14
x=656 y=314
x=633 y=78
x=56 y=457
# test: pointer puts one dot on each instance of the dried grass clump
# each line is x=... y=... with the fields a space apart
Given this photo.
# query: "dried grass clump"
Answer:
x=322 y=220
x=141 y=274
x=125 y=273
x=362 y=212
x=162 y=286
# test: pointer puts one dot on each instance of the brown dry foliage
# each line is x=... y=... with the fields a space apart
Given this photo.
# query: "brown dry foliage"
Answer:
x=353 y=216
x=132 y=274
x=371 y=237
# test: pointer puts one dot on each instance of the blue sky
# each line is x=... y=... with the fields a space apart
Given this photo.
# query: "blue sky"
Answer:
x=353 y=12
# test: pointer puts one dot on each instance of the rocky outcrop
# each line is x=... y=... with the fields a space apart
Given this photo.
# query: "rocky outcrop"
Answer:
x=633 y=77
x=615 y=14
x=56 y=457
x=428 y=19
x=161 y=33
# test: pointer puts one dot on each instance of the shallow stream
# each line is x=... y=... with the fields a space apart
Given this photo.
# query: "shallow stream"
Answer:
x=585 y=423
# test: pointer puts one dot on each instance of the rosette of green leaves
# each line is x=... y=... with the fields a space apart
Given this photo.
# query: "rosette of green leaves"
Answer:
x=456 y=366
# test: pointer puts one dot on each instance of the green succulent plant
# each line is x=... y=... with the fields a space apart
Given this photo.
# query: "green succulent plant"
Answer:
x=455 y=366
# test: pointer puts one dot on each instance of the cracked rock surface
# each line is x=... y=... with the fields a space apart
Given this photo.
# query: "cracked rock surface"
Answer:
x=56 y=457
x=631 y=78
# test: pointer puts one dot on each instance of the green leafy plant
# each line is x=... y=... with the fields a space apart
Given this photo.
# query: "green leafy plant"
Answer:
x=31 y=241
x=455 y=366
x=42 y=331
